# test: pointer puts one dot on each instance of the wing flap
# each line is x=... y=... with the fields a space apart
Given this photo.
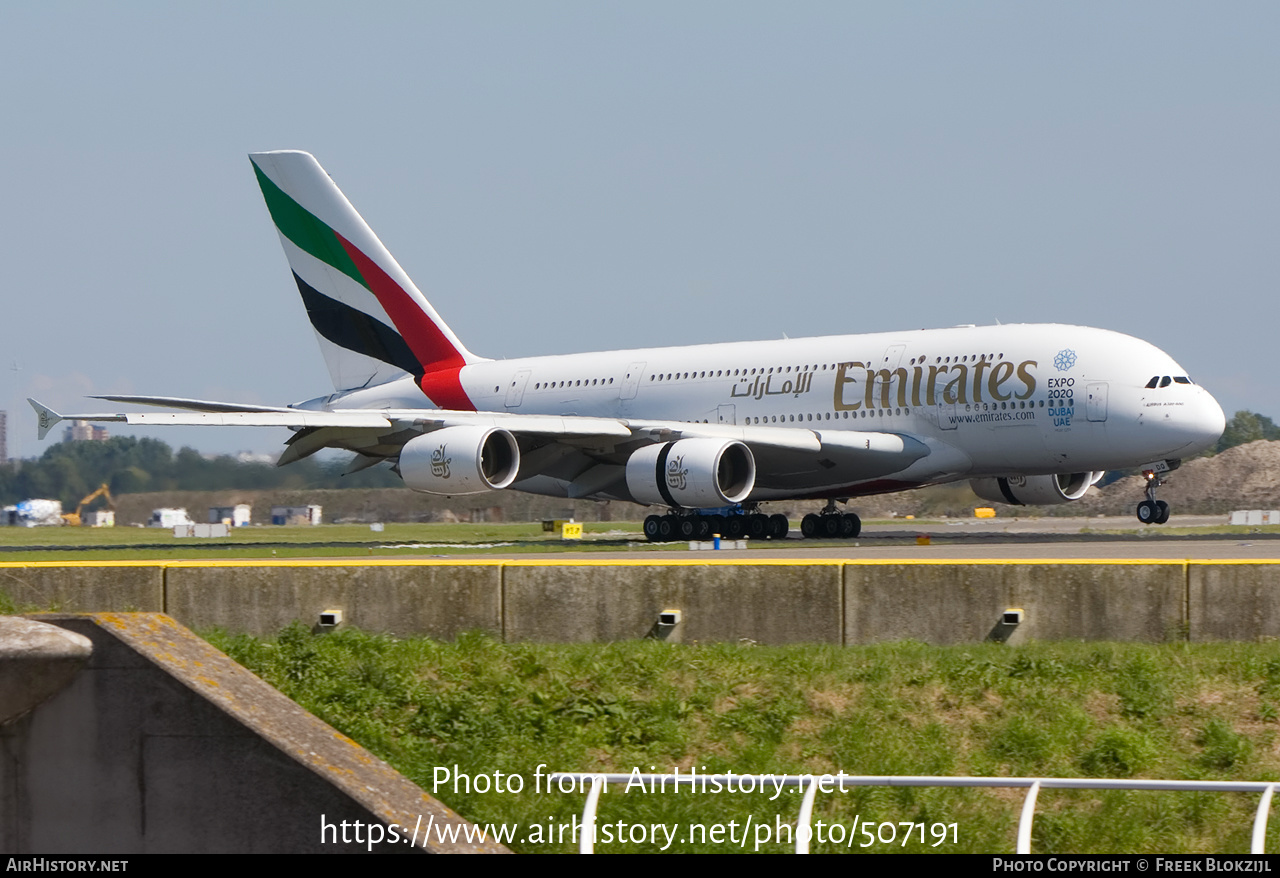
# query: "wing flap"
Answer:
x=789 y=438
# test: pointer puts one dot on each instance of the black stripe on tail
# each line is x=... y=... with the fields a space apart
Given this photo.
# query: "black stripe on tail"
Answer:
x=356 y=331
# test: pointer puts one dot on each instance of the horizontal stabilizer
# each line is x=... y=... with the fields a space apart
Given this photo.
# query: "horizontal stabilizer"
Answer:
x=46 y=418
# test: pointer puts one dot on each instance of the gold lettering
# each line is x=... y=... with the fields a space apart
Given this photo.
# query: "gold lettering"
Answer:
x=931 y=395
x=999 y=375
x=915 y=386
x=842 y=378
x=886 y=380
x=957 y=389
x=977 y=379
x=1027 y=379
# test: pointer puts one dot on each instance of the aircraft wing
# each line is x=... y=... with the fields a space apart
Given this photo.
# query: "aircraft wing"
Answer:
x=377 y=433
x=194 y=412
x=792 y=455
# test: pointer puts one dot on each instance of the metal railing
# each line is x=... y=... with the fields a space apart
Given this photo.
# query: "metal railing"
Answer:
x=812 y=784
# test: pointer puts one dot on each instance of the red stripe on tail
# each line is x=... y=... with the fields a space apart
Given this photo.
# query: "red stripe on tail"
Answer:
x=441 y=362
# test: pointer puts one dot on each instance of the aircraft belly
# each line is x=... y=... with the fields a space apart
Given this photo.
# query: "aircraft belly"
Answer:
x=780 y=470
x=1010 y=448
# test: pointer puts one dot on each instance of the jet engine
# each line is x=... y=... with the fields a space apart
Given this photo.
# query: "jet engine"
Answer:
x=692 y=473
x=1035 y=490
x=460 y=460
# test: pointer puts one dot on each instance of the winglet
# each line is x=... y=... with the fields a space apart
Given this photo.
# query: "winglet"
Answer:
x=46 y=418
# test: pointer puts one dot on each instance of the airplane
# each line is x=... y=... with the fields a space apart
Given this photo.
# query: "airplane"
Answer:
x=1028 y=414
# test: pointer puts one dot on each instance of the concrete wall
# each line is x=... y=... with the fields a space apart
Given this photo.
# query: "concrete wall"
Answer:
x=426 y=599
x=764 y=601
x=163 y=744
x=961 y=602
x=86 y=586
x=1234 y=601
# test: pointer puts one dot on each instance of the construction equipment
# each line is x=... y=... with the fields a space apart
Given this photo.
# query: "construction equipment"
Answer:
x=73 y=518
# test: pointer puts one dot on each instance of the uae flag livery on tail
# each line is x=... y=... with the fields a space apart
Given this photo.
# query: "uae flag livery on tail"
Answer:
x=373 y=324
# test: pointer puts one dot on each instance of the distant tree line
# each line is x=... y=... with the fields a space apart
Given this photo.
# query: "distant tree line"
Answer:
x=1244 y=427
x=69 y=471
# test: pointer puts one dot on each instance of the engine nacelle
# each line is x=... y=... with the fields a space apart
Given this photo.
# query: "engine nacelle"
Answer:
x=1035 y=490
x=692 y=473
x=460 y=460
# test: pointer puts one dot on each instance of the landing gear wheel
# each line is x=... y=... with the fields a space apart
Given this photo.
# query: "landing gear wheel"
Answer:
x=809 y=526
x=652 y=524
x=735 y=526
x=666 y=528
x=778 y=526
x=1148 y=512
x=717 y=523
x=1151 y=510
x=704 y=527
x=687 y=527
x=830 y=526
x=758 y=526
x=850 y=526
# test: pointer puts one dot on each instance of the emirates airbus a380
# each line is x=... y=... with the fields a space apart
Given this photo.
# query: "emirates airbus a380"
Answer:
x=1030 y=414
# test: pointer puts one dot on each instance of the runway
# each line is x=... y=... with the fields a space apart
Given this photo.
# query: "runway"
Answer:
x=1067 y=539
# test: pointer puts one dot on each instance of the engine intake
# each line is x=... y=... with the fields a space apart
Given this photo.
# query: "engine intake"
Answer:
x=692 y=473
x=1035 y=490
x=460 y=460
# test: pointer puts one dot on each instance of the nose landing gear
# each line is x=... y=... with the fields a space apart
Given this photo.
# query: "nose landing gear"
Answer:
x=1151 y=510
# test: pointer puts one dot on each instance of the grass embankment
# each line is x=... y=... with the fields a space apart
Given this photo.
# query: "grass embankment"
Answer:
x=325 y=541
x=479 y=707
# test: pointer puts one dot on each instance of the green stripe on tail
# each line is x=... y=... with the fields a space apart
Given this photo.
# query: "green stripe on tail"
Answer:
x=306 y=231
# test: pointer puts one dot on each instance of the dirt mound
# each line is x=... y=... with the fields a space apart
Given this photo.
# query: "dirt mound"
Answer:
x=1244 y=477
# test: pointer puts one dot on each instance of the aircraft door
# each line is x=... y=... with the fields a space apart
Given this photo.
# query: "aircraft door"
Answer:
x=893 y=356
x=726 y=414
x=1096 y=401
x=631 y=384
x=947 y=415
x=515 y=393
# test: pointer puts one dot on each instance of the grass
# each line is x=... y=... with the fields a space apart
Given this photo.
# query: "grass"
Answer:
x=1218 y=530
x=443 y=711
x=325 y=541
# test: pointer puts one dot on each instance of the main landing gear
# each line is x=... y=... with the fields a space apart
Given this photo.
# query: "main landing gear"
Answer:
x=1151 y=510
x=830 y=524
x=688 y=526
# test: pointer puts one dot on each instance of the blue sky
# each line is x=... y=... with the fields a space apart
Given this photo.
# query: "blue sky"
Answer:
x=562 y=177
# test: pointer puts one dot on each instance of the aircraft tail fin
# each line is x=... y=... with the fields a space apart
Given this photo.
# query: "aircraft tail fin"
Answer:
x=372 y=323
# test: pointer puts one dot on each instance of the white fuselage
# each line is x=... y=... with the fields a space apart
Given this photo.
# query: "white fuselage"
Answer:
x=986 y=401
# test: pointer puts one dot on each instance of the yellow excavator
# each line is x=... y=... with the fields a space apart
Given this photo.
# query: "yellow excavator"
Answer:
x=73 y=518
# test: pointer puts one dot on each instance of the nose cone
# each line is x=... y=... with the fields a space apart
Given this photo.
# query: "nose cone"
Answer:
x=1205 y=423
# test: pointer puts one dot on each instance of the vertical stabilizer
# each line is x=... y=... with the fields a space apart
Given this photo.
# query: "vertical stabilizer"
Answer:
x=372 y=323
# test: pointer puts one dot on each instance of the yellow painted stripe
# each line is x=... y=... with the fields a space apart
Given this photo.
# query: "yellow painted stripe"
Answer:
x=655 y=562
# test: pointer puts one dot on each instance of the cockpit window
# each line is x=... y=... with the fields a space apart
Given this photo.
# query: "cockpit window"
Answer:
x=1165 y=381
x=1151 y=385
x=1181 y=379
